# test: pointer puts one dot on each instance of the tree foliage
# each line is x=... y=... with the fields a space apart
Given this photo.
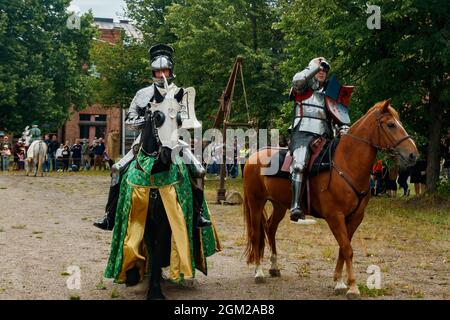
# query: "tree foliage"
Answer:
x=41 y=63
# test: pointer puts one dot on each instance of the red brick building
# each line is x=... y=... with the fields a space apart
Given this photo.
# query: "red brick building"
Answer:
x=96 y=121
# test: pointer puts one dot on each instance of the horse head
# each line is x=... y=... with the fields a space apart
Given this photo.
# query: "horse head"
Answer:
x=388 y=133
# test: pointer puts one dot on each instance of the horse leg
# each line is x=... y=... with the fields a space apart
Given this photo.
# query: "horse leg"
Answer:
x=353 y=224
x=338 y=227
x=341 y=287
x=273 y=222
x=39 y=168
x=160 y=232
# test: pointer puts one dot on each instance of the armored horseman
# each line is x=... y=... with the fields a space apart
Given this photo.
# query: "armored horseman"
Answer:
x=157 y=191
x=320 y=109
x=162 y=66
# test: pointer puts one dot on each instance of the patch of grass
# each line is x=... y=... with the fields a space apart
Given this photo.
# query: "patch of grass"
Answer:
x=303 y=270
x=65 y=273
x=100 y=286
x=74 y=297
x=37 y=232
x=115 y=294
x=373 y=293
x=56 y=222
x=2 y=230
x=328 y=253
x=3 y=188
x=84 y=218
x=38 y=237
x=417 y=294
x=19 y=226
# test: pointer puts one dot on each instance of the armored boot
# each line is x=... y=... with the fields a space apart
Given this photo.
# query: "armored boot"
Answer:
x=200 y=220
x=296 y=212
x=107 y=222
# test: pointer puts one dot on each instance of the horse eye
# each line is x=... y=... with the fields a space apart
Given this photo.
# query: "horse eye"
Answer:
x=391 y=125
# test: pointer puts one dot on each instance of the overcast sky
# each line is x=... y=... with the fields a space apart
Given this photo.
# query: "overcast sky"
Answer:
x=102 y=8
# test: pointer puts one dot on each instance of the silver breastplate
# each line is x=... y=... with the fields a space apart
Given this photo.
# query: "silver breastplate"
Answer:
x=311 y=115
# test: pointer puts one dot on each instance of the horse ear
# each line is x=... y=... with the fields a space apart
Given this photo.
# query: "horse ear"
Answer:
x=386 y=104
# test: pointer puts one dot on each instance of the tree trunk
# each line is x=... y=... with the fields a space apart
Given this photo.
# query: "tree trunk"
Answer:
x=434 y=137
x=254 y=25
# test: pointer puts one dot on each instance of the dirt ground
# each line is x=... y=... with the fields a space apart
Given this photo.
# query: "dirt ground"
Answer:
x=46 y=227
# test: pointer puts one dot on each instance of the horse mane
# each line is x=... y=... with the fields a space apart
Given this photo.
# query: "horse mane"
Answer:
x=378 y=107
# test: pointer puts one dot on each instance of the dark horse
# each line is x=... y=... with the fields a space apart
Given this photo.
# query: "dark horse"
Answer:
x=157 y=228
x=339 y=196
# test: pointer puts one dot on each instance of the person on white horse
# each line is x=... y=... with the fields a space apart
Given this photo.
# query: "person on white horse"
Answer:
x=37 y=149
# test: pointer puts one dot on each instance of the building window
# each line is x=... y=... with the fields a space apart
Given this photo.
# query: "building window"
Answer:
x=100 y=117
x=84 y=132
x=85 y=117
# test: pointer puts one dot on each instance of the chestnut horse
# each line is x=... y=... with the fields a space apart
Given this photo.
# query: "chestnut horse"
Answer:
x=339 y=196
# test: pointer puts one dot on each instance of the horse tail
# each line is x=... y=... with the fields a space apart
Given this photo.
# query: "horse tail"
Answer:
x=255 y=221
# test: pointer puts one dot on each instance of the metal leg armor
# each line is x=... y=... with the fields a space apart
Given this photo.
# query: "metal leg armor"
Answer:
x=300 y=158
x=107 y=221
x=197 y=175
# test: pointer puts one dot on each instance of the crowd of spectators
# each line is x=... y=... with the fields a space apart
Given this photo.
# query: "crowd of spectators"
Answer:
x=61 y=157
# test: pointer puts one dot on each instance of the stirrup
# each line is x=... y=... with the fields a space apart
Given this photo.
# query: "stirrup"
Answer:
x=298 y=217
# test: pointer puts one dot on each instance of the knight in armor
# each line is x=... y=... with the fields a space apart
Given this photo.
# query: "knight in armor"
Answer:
x=35 y=133
x=312 y=119
x=162 y=66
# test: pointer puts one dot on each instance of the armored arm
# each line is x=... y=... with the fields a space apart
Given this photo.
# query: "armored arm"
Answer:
x=135 y=119
x=301 y=79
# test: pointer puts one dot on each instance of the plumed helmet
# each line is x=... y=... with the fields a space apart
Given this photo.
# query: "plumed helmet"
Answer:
x=160 y=59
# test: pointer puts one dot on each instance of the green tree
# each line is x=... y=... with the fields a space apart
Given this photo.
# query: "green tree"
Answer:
x=41 y=63
x=209 y=37
x=119 y=70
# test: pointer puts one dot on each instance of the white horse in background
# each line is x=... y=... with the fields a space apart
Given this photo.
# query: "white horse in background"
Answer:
x=36 y=154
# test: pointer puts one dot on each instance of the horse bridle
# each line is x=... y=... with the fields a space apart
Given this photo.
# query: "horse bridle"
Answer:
x=389 y=149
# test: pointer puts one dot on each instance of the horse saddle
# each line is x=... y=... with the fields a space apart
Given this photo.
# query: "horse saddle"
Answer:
x=322 y=152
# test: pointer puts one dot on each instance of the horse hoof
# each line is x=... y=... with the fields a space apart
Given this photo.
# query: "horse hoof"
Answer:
x=340 y=288
x=132 y=277
x=275 y=272
x=156 y=296
x=260 y=280
x=340 y=291
x=353 y=296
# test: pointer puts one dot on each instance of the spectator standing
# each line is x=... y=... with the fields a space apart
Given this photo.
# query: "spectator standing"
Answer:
x=99 y=150
x=403 y=176
x=59 y=157
x=51 y=152
x=76 y=153
x=2 y=148
x=85 y=154
x=378 y=173
x=21 y=159
x=46 y=163
x=419 y=177
x=5 y=154
x=391 y=178
x=65 y=158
